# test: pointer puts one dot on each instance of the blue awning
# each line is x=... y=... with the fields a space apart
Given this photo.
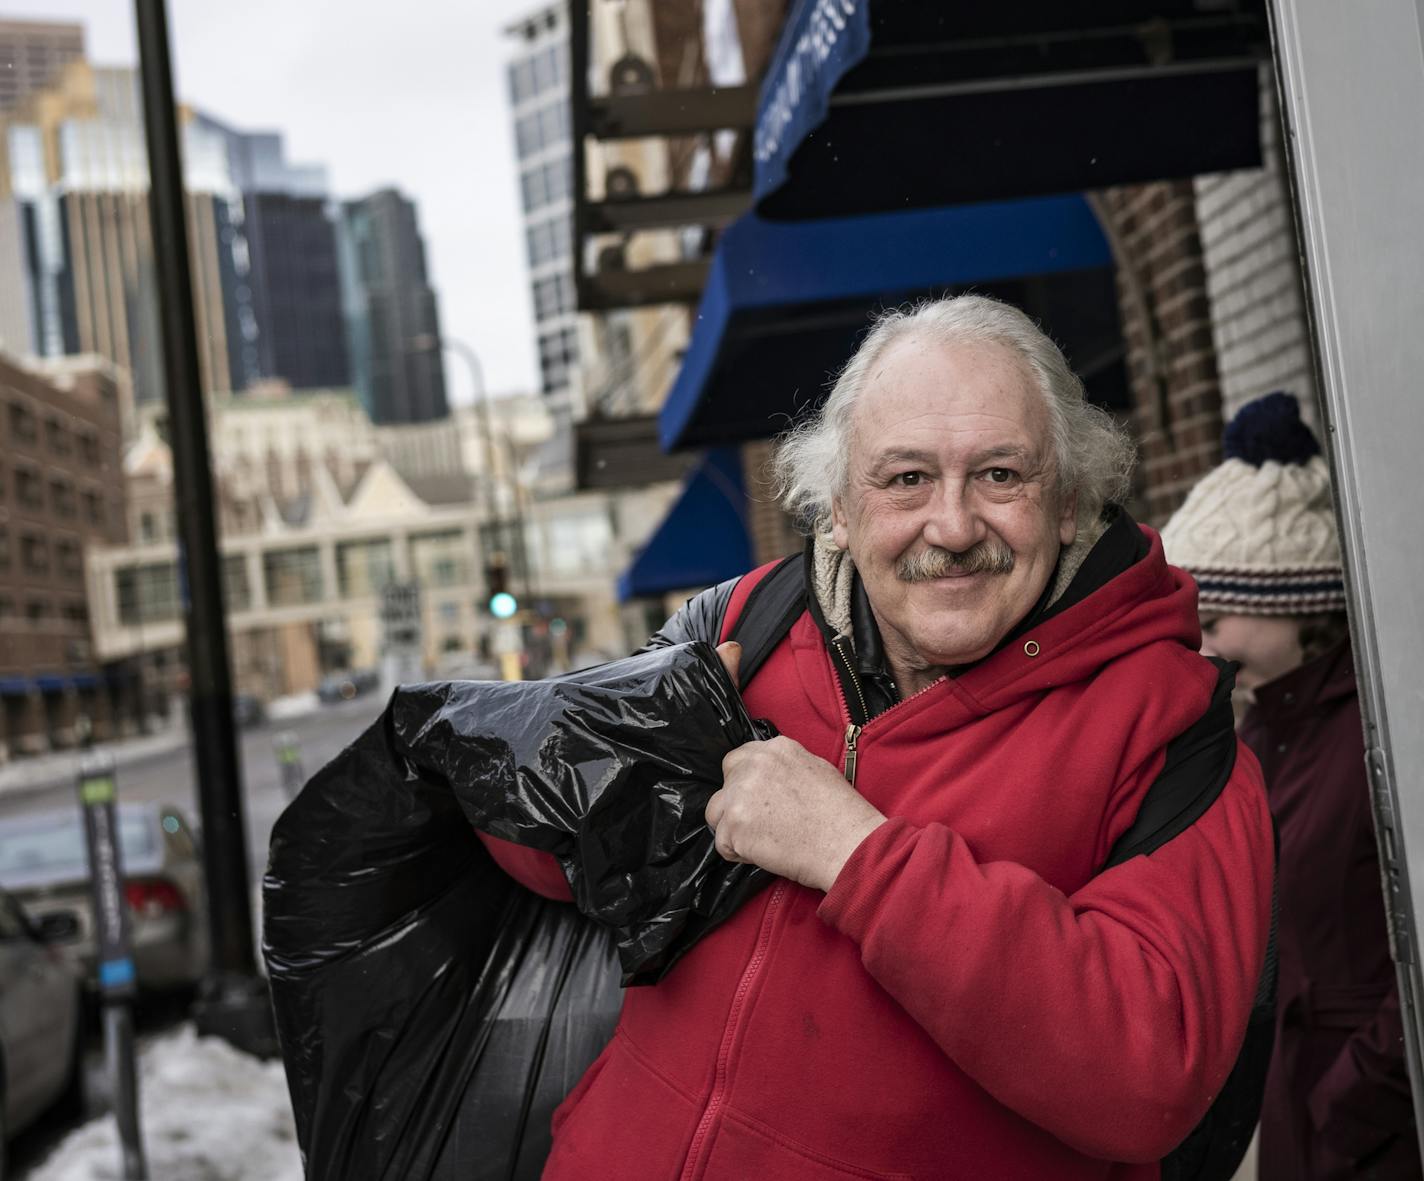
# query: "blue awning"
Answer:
x=703 y=539
x=874 y=105
x=786 y=302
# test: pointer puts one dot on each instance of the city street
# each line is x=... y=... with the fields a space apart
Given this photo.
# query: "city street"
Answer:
x=166 y=774
x=160 y=768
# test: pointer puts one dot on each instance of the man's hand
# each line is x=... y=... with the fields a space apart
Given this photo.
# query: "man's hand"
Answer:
x=786 y=810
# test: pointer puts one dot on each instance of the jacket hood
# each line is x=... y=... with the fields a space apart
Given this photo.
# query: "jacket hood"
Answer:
x=1147 y=604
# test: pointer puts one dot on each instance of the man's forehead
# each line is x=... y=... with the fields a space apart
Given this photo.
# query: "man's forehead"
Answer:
x=919 y=391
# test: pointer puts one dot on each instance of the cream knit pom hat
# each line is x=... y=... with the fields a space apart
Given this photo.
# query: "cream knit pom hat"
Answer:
x=1258 y=533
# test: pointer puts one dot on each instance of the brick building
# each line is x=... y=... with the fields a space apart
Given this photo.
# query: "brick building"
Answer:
x=61 y=491
x=1212 y=306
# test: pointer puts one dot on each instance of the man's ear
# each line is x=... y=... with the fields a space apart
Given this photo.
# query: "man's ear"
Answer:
x=1068 y=519
x=840 y=525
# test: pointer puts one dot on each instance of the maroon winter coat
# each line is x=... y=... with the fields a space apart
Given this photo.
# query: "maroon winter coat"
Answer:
x=1337 y=1097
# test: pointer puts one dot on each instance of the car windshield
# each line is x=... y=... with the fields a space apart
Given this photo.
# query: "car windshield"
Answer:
x=57 y=847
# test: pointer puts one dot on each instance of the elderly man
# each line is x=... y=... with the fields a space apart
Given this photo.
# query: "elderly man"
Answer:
x=994 y=660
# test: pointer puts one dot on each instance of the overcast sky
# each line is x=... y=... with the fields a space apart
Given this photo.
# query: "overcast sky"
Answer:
x=410 y=94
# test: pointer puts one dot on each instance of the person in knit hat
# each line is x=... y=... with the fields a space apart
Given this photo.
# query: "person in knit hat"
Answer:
x=1258 y=534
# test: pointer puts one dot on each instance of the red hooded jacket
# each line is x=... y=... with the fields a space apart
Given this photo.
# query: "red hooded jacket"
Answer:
x=972 y=998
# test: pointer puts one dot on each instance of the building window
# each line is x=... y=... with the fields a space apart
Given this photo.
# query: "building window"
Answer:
x=69 y=558
x=56 y=436
x=89 y=448
x=440 y=559
x=61 y=498
x=147 y=593
x=292 y=576
x=543 y=184
x=237 y=593
x=94 y=508
x=34 y=553
x=23 y=427
x=28 y=490
x=75 y=612
x=546 y=68
x=364 y=568
x=526 y=135
x=521 y=81
x=4 y=548
x=7 y=607
x=554 y=124
x=36 y=611
x=558 y=355
x=147 y=527
x=553 y=296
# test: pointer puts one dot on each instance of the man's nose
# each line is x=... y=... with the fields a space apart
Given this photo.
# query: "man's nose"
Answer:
x=953 y=523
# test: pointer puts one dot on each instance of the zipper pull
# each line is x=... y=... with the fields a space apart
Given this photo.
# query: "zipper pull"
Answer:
x=852 y=735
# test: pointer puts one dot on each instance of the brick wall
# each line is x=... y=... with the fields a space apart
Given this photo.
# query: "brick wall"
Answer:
x=1253 y=275
x=1167 y=326
x=773 y=535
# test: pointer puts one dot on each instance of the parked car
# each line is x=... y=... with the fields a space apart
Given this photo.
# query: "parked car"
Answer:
x=343 y=686
x=248 y=711
x=44 y=863
x=41 y=1031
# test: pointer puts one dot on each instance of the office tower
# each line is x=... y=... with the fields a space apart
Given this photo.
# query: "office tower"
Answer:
x=296 y=332
x=31 y=53
x=393 y=322
x=75 y=181
x=539 y=98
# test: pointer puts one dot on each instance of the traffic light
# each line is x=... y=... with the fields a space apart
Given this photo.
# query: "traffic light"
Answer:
x=502 y=604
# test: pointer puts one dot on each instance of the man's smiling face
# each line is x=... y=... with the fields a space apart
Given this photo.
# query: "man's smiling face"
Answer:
x=951 y=513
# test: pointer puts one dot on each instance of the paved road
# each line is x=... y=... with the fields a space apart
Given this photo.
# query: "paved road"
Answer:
x=155 y=769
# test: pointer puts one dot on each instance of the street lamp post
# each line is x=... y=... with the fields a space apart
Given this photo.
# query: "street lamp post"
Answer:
x=494 y=512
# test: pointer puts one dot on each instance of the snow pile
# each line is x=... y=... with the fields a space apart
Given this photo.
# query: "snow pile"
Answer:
x=208 y=1113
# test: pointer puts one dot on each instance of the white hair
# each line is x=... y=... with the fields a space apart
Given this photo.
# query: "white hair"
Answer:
x=1093 y=456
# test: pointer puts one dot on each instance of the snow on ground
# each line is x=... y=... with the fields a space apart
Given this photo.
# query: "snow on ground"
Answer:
x=208 y=1113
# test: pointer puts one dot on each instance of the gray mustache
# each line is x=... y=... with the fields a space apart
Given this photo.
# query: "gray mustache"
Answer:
x=988 y=557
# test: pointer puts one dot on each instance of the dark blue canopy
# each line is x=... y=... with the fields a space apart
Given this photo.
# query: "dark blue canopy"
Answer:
x=878 y=105
x=703 y=539
x=786 y=302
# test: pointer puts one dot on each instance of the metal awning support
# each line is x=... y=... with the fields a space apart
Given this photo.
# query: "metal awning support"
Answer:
x=656 y=113
x=711 y=207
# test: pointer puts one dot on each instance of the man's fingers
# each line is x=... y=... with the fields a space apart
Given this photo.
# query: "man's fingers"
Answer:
x=715 y=807
x=731 y=657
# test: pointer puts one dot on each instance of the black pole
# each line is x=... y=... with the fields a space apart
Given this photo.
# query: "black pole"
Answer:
x=233 y=1002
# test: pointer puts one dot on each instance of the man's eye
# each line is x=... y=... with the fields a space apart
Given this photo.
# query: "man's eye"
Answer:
x=1001 y=475
x=909 y=479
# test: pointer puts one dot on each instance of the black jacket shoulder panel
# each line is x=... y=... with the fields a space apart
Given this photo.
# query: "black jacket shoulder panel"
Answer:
x=1199 y=763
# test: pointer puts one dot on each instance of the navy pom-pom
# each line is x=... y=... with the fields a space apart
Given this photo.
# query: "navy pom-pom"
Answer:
x=1269 y=428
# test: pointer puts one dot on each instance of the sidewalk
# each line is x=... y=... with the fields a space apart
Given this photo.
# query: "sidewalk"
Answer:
x=32 y=774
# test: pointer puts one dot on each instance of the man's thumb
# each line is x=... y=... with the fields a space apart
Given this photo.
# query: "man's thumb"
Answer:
x=731 y=657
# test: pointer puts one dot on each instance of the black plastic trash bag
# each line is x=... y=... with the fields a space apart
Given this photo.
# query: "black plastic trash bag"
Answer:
x=432 y=1012
x=609 y=769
